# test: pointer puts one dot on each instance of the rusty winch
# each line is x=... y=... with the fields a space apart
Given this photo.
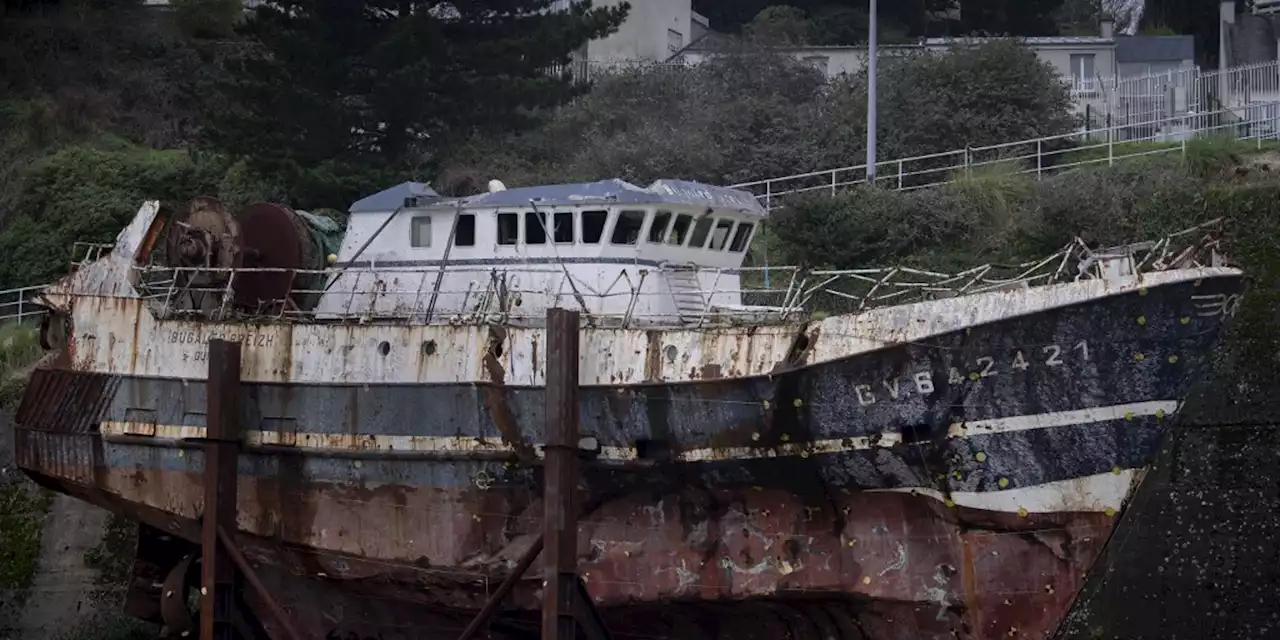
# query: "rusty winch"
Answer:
x=269 y=256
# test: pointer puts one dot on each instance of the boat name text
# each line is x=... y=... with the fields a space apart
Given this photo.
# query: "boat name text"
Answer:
x=248 y=339
x=894 y=389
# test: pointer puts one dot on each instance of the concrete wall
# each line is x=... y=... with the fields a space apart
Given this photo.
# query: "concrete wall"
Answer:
x=651 y=31
x=840 y=60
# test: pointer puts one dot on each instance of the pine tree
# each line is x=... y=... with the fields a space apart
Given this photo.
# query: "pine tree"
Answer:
x=334 y=86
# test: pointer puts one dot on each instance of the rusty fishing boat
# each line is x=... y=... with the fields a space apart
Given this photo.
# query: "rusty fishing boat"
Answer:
x=940 y=455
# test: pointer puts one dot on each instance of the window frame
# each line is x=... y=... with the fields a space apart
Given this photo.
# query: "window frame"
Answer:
x=724 y=243
x=535 y=221
x=458 y=226
x=750 y=229
x=617 y=225
x=507 y=215
x=604 y=226
x=414 y=230
x=556 y=216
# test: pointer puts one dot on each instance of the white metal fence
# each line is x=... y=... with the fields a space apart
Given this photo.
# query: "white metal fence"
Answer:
x=1106 y=102
x=17 y=305
x=1041 y=156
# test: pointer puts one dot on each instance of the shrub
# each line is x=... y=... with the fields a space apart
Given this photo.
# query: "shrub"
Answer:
x=87 y=193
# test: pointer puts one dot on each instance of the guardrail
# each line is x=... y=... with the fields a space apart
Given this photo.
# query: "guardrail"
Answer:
x=17 y=305
x=1039 y=156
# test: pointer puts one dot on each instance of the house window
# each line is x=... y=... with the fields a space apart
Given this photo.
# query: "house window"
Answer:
x=721 y=236
x=680 y=229
x=508 y=228
x=626 y=230
x=535 y=230
x=741 y=237
x=1082 y=71
x=465 y=234
x=701 y=231
x=658 y=231
x=593 y=226
x=564 y=227
x=420 y=232
x=675 y=41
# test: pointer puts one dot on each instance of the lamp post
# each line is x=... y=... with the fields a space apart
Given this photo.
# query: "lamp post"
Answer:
x=871 y=97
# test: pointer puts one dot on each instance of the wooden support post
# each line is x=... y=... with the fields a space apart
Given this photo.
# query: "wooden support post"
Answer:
x=500 y=594
x=565 y=602
x=222 y=447
x=560 y=521
x=246 y=570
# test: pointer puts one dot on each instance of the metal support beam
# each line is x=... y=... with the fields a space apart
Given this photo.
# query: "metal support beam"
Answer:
x=251 y=577
x=495 y=601
x=222 y=446
x=565 y=603
x=560 y=480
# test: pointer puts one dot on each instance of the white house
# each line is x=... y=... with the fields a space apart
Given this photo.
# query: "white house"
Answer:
x=1083 y=59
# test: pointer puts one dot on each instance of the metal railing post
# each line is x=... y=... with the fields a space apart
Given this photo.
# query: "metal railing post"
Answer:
x=1039 y=158
x=899 y=175
x=833 y=182
x=1111 y=147
x=768 y=195
x=21 y=294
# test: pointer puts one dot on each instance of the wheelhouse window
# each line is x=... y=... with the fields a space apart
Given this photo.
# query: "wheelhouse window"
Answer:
x=658 y=230
x=593 y=226
x=465 y=234
x=508 y=228
x=420 y=232
x=563 y=233
x=701 y=230
x=626 y=231
x=721 y=236
x=535 y=230
x=741 y=237
x=680 y=229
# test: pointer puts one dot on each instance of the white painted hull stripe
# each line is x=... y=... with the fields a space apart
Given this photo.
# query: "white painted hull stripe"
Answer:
x=1101 y=493
x=468 y=444
x=1158 y=408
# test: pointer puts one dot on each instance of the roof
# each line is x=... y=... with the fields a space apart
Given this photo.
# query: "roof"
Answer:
x=604 y=192
x=1036 y=41
x=714 y=42
x=393 y=198
x=1155 y=48
x=615 y=191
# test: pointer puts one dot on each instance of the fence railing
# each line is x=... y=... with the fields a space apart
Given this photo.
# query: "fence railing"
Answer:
x=1040 y=156
x=17 y=306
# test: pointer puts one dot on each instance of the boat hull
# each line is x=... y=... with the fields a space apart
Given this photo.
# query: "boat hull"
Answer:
x=755 y=564
x=956 y=486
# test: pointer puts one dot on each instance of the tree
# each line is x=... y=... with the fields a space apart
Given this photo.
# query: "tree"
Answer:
x=992 y=93
x=780 y=25
x=743 y=114
x=343 y=86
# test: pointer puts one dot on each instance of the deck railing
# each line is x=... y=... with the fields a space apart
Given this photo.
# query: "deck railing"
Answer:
x=636 y=297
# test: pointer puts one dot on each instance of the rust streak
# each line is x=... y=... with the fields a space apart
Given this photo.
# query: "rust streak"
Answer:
x=495 y=397
x=653 y=356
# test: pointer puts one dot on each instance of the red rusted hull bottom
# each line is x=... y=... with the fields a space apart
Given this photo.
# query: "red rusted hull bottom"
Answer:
x=698 y=564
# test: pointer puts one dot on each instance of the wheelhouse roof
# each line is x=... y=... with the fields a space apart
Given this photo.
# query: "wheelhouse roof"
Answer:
x=604 y=193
